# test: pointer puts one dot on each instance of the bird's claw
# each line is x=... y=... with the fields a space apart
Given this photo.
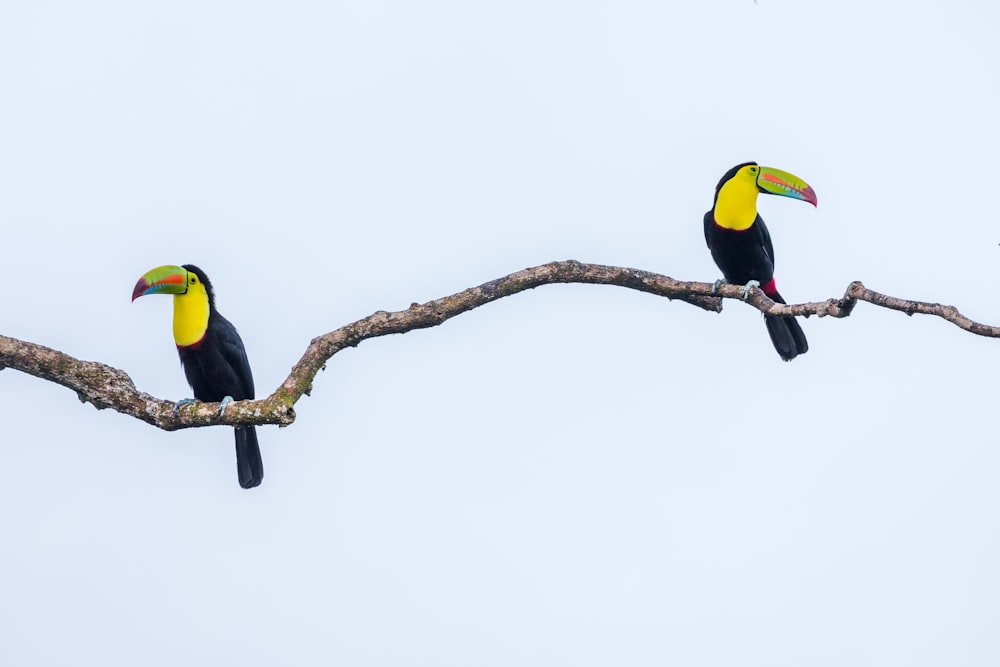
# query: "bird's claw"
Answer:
x=183 y=401
x=749 y=286
x=223 y=403
x=717 y=284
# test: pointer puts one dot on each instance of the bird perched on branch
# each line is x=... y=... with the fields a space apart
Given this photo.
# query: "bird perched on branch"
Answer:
x=212 y=353
x=741 y=245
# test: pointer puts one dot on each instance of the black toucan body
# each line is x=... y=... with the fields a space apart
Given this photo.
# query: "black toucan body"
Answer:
x=211 y=351
x=741 y=244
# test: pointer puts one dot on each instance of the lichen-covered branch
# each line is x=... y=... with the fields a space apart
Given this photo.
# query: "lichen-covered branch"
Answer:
x=108 y=387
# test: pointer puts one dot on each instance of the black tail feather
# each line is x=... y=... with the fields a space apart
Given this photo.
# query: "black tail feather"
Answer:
x=249 y=465
x=786 y=334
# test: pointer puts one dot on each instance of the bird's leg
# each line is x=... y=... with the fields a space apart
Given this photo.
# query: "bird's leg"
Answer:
x=749 y=286
x=223 y=403
x=183 y=401
x=717 y=284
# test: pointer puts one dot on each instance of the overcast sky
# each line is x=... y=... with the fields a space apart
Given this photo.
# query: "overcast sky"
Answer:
x=578 y=475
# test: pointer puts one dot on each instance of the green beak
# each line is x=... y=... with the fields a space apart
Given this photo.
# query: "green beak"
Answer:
x=167 y=279
x=778 y=182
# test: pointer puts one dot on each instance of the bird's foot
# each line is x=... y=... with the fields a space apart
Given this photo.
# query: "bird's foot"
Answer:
x=749 y=286
x=183 y=401
x=717 y=284
x=223 y=403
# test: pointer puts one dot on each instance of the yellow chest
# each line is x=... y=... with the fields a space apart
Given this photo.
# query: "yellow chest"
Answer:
x=191 y=312
x=736 y=206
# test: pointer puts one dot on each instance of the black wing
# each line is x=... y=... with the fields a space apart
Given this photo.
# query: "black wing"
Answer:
x=765 y=239
x=231 y=346
x=709 y=223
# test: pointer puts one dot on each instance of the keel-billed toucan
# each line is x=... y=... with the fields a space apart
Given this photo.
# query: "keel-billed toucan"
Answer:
x=741 y=245
x=211 y=352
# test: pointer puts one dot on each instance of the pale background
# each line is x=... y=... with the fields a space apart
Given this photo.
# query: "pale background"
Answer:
x=578 y=475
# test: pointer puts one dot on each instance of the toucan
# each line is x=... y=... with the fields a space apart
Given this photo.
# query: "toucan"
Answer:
x=741 y=245
x=212 y=353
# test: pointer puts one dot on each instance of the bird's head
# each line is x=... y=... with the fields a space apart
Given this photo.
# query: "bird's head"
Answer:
x=750 y=177
x=193 y=298
x=170 y=279
x=736 y=194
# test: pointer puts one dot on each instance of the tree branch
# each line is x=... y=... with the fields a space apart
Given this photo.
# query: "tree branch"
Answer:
x=108 y=387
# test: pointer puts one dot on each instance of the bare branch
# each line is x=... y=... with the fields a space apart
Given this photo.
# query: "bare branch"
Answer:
x=855 y=292
x=108 y=387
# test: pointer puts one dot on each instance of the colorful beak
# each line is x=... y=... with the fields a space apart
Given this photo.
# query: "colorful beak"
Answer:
x=778 y=182
x=167 y=279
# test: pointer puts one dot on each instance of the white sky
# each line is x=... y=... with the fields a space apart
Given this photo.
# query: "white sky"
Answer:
x=574 y=476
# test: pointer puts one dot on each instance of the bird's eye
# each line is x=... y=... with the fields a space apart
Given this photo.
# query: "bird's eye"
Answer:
x=753 y=170
x=193 y=280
